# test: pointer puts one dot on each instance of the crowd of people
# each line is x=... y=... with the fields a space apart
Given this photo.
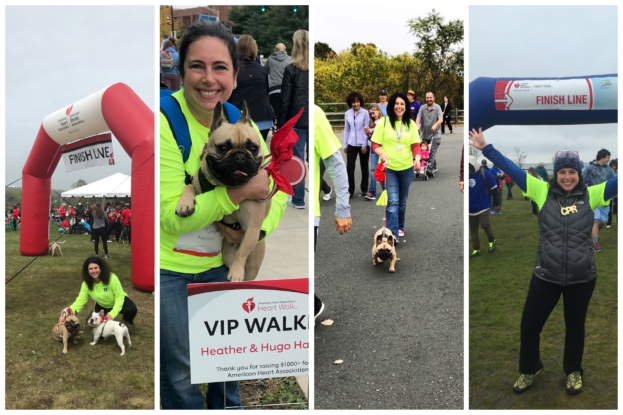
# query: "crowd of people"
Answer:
x=571 y=208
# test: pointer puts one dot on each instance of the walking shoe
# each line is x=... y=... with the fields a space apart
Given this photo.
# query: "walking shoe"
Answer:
x=97 y=256
x=401 y=233
x=597 y=247
x=492 y=246
x=109 y=241
x=108 y=256
x=289 y=203
x=574 y=383
x=370 y=196
x=492 y=212
x=327 y=196
x=499 y=212
x=524 y=382
x=474 y=254
x=608 y=226
x=318 y=307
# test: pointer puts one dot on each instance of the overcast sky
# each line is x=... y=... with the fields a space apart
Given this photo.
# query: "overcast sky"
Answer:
x=58 y=55
x=383 y=23
x=545 y=41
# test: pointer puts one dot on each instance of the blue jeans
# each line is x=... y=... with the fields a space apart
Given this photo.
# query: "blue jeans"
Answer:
x=126 y=232
x=373 y=163
x=299 y=151
x=509 y=187
x=398 y=184
x=176 y=391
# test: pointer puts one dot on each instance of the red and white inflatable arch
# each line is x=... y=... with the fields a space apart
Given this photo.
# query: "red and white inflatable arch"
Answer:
x=119 y=110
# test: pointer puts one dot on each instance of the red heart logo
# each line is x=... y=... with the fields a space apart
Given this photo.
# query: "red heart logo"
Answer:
x=517 y=85
x=69 y=109
x=248 y=305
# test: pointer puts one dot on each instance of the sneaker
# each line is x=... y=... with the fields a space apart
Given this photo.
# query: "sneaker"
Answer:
x=396 y=241
x=109 y=241
x=318 y=307
x=574 y=383
x=97 y=256
x=597 y=247
x=474 y=254
x=327 y=196
x=434 y=170
x=608 y=226
x=289 y=203
x=401 y=233
x=492 y=212
x=499 y=212
x=108 y=256
x=524 y=382
x=492 y=246
x=370 y=196
x=417 y=174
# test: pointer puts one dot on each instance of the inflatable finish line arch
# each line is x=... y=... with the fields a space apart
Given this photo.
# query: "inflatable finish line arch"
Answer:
x=119 y=110
x=588 y=99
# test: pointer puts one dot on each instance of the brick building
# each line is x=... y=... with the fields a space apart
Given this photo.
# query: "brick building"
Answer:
x=190 y=16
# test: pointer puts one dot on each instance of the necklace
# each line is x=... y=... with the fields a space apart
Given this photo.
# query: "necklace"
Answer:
x=564 y=211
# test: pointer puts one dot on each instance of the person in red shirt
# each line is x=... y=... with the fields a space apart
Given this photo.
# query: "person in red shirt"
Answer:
x=64 y=226
x=126 y=216
x=15 y=215
x=63 y=212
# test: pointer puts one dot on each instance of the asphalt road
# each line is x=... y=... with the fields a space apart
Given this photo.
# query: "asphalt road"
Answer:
x=400 y=335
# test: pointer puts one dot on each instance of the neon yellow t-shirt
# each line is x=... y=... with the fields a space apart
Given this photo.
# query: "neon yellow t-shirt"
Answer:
x=537 y=191
x=108 y=296
x=191 y=245
x=386 y=136
x=325 y=145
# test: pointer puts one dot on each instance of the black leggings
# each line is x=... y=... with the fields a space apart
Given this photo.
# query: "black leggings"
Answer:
x=128 y=311
x=97 y=234
x=542 y=298
x=351 y=156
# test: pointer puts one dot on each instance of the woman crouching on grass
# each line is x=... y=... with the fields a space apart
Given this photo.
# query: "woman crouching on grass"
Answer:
x=105 y=289
x=564 y=264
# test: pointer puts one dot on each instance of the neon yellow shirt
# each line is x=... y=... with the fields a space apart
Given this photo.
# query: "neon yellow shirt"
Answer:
x=179 y=236
x=537 y=191
x=325 y=145
x=386 y=136
x=107 y=296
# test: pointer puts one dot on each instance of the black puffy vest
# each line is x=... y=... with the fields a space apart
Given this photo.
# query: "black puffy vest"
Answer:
x=565 y=254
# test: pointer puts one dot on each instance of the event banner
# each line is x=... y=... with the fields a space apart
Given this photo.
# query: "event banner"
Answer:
x=248 y=330
x=90 y=152
x=557 y=94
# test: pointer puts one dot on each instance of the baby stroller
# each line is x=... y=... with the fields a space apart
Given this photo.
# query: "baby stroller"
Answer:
x=425 y=170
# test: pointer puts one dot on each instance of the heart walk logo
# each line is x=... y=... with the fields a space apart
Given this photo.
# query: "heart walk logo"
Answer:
x=248 y=305
x=69 y=109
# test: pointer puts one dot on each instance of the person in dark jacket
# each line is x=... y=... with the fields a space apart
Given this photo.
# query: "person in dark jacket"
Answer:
x=565 y=262
x=294 y=96
x=276 y=66
x=252 y=81
x=447 y=114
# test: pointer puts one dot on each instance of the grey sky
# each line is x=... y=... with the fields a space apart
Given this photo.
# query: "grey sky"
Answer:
x=382 y=23
x=545 y=41
x=58 y=55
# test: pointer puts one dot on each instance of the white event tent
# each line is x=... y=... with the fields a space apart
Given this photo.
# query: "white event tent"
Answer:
x=117 y=185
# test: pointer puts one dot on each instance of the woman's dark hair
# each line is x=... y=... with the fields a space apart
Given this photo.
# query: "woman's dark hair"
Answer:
x=391 y=112
x=99 y=211
x=614 y=162
x=351 y=98
x=168 y=44
x=553 y=184
x=104 y=271
x=207 y=29
x=445 y=96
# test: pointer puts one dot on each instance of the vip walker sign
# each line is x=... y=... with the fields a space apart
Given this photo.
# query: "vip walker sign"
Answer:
x=90 y=152
x=248 y=330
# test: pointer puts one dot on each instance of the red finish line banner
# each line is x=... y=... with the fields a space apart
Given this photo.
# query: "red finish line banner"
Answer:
x=248 y=330
x=90 y=152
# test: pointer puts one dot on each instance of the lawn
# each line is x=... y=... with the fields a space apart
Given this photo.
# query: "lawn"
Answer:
x=38 y=376
x=498 y=285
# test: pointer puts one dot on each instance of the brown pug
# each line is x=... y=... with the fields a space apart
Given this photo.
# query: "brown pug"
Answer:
x=232 y=156
x=63 y=332
x=384 y=248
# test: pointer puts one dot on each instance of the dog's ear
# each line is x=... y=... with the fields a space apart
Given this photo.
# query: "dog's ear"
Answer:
x=379 y=240
x=218 y=117
x=390 y=240
x=101 y=313
x=245 y=118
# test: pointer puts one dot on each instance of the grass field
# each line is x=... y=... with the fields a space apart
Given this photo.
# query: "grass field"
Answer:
x=38 y=376
x=498 y=285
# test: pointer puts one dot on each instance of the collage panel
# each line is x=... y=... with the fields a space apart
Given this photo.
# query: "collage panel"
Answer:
x=77 y=90
x=234 y=218
x=543 y=186
x=388 y=144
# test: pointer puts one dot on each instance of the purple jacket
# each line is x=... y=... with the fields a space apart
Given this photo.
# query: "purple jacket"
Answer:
x=415 y=108
x=353 y=128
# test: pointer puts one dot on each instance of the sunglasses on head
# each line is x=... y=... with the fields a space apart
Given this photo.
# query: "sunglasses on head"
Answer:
x=568 y=153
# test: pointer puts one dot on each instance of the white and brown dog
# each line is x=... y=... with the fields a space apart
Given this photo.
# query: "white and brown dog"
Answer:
x=384 y=248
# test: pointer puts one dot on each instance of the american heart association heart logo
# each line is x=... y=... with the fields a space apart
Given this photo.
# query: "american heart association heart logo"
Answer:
x=69 y=109
x=517 y=85
x=248 y=305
